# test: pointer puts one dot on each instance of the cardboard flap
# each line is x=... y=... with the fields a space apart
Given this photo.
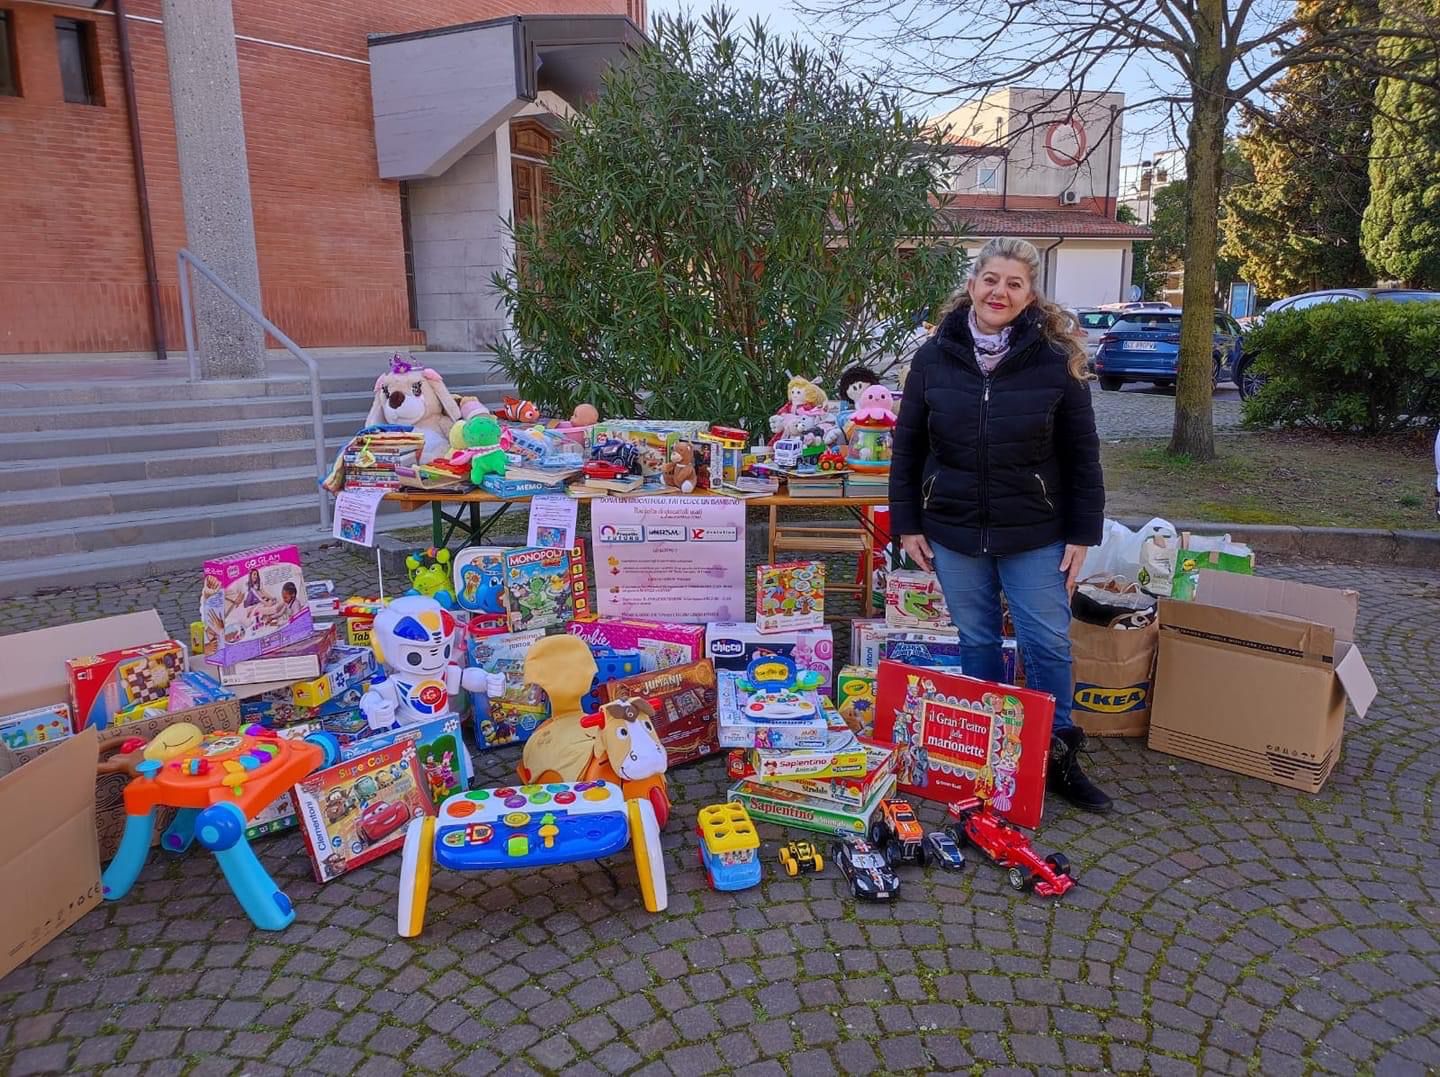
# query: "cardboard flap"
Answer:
x=32 y=664
x=1355 y=678
x=46 y=792
x=1260 y=594
x=1277 y=633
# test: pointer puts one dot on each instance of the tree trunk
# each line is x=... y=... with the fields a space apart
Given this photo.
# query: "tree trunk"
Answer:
x=1194 y=431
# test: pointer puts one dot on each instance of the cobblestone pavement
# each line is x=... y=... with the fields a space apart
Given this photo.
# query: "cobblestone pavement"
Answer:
x=1220 y=925
x=1138 y=411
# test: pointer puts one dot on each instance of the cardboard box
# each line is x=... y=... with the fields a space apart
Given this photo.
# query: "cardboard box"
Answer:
x=49 y=865
x=1253 y=676
x=914 y=600
x=685 y=715
x=661 y=644
x=736 y=729
x=33 y=673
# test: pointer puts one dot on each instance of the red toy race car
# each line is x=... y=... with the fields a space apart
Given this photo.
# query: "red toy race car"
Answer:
x=895 y=830
x=974 y=821
x=600 y=469
x=830 y=460
x=382 y=819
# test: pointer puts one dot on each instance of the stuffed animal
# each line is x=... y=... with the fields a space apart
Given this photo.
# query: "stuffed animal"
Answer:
x=518 y=411
x=482 y=437
x=469 y=408
x=415 y=396
x=680 y=470
x=876 y=406
x=429 y=572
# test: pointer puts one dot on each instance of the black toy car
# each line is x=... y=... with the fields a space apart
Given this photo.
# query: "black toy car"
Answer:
x=940 y=849
x=619 y=453
x=867 y=872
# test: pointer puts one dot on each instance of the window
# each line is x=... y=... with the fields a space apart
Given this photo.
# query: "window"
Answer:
x=987 y=178
x=1100 y=319
x=78 y=61
x=9 y=77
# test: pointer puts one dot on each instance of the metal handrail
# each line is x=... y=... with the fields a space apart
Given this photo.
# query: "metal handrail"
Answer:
x=185 y=260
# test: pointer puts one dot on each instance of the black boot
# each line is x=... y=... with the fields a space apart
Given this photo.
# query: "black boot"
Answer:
x=1066 y=780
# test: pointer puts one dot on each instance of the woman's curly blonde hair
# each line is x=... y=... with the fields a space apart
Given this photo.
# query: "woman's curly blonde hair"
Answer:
x=1056 y=324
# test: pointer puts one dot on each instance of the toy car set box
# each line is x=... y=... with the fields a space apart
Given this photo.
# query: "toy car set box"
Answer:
x=960 y=737
x=685 y=715
x=1253 y=676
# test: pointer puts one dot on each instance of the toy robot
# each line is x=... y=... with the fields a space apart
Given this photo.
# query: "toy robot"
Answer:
x=413 y=639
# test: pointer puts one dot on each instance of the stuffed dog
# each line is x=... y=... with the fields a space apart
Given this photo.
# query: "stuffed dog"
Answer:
x=416 y=396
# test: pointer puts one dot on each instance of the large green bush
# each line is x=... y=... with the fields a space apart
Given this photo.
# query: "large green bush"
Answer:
x=729 y=209
x=1360 y=366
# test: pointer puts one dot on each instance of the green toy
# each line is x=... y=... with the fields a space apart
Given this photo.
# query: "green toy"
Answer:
x=482 y=434
x=429 y=572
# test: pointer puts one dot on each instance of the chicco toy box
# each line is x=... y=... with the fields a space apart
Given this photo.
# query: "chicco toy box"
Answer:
x=253 y=603
x=731 y=645
x=661 y=644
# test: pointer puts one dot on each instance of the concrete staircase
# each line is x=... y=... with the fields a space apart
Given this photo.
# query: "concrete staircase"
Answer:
x=113 y=471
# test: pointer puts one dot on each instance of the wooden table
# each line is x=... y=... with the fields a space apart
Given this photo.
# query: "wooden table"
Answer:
x=449 y=511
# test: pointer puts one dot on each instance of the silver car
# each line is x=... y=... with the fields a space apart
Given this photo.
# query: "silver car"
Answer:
x=1094 y=322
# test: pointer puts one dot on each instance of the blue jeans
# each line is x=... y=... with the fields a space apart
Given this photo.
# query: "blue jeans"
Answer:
x=1039 y=606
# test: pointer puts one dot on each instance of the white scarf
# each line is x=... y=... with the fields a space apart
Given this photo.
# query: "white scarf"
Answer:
x=990 y=348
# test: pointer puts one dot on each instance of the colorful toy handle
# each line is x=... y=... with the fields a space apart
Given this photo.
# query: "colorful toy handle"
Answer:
x=649 y=858
x=415 y=866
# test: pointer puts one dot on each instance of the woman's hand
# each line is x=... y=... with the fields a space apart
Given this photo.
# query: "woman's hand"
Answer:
x=1072 y=564
x=918 y=550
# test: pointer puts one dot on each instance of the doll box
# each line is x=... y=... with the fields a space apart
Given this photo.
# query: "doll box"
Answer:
x=253 y=603
x=685 y=717
x=661 y=644
x=789 y=596
x=958 y=737
x=731 y=645
x=359 y=809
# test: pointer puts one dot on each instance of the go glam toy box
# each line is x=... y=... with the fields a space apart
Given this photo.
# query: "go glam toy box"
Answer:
x=959 y=737
x=253 y=603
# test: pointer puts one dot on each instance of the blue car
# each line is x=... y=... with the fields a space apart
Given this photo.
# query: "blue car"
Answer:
x=1144 y=345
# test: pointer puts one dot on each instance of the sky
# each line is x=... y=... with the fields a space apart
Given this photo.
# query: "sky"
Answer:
x=1140 y=138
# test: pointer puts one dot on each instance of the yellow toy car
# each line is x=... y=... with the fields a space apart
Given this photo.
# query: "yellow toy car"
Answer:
x=798 y=856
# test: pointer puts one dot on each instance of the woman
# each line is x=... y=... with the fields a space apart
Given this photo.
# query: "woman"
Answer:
x=995 y=482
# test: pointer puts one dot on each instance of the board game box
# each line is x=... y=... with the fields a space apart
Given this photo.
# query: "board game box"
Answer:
x=789 y=596
x=913 y=599
x=685 y=717
x=545 y=587
x=359 y=809
x=842 y=757
x=253 y=603
x=512 y=717
x=855 y=698
x=790 y=808
x=479 y=573
x=958 y=737
x=848 y=792
x=111 y=688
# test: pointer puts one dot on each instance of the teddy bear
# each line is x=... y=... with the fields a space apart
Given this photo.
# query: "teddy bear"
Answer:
x=681 y=470
x=415 y=396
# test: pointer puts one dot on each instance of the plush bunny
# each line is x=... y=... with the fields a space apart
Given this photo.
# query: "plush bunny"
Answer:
x=416 y=396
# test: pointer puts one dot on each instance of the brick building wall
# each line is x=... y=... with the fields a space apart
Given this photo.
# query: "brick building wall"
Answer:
x=328 y=231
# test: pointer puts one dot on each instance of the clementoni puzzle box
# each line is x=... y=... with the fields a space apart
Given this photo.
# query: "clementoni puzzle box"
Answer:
x=958 y=737
x=359 y=809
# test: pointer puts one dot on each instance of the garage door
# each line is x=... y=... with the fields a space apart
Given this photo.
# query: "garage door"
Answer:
x=1087 y=278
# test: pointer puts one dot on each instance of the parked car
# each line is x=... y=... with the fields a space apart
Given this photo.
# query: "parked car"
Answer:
x=1144 y=345
x=1249 y=384
x=1094 y=322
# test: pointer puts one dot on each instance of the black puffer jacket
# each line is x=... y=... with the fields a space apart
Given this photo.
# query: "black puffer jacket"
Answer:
x=995 y=464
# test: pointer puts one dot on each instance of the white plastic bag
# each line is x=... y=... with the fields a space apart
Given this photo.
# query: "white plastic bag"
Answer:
x=1119 y=552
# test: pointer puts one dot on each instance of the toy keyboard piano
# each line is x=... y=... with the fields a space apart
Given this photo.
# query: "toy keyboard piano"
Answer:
x=528 y=826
